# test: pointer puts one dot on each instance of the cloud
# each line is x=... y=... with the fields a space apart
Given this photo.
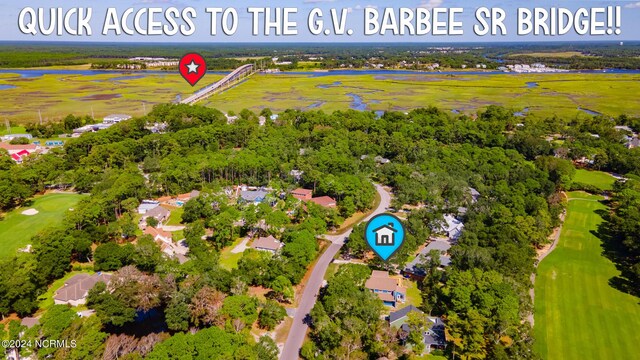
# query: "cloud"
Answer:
x=633 y=5
x=430 y=4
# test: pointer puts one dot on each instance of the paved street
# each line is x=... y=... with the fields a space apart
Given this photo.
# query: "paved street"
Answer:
x=310 y=294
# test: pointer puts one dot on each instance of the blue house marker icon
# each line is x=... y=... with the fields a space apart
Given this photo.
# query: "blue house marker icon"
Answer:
x=384 y=234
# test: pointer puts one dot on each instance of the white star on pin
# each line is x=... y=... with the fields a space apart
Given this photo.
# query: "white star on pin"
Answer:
x=193 y=67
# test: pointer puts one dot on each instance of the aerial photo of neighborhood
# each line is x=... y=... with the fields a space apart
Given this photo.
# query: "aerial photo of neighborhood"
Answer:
x=362 y=200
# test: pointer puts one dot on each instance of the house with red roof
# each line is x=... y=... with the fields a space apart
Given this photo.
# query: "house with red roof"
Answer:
x=324 y=201
x=302 y=194
x=158 y=234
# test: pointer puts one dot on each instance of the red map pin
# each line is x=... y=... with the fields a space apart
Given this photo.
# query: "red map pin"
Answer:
x=192 y=67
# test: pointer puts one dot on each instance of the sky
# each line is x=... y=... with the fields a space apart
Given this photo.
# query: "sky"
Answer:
x=10 y=10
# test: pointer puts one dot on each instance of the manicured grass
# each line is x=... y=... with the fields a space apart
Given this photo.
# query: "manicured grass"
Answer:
x=578 y=315
x=16 y=229
x=229 y=260
x=413 y=293
x=331 y=270
x=602 y=180
x=175 y=218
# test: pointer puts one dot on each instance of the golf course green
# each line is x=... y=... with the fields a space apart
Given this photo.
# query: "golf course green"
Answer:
x=16 y=229
x=578 y=315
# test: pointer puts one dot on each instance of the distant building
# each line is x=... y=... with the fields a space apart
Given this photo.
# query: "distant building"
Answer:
x=30 y=322
x=182 y=198
x=253 y=196
x=452 y=227
x=159 y=213
x=324 y=201
x=297 y=174
x=115 y=118
x=413 y=269
x=389 y=290
x=10 y=137
x=147 y=205
x=75 y=290
x=268 y=243
x=380 y=160
x=434 y=337
x=14 y=149
x=302 y=194
x=158 y=234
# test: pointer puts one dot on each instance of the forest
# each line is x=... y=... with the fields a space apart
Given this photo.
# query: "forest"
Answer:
x=157 y=308
x=591 y=55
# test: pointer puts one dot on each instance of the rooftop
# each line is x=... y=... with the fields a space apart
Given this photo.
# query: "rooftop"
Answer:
x=380 y=280
x=76 y=288
x=268 y=243
x=325 y=201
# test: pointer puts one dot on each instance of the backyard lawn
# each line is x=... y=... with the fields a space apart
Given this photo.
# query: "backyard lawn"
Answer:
x=599 y=179
x=229 y=260
x=17 y=229
x=578 y=315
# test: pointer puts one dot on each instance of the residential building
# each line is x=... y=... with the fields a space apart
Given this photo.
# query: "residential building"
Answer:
x=297 y=174
x=380 y=160
x=302 y=194
x=159 y=213
x=268 y=243
x=183 y=198
x=253 y=196
x=434 y=337
x=158 y=234
x=30 y=322
x=115 y=118
x=10 y=137
x=452 y=227
x=388 y=289
x=413 y=269
x=75 y=290
x=17 y=148
x=324 y=201
x=147 y=205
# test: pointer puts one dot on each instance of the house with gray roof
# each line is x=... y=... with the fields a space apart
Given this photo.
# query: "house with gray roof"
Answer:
x=253 y=196
x=413 y=268
x=75 y=290
x=433 y=337
x=268 y=243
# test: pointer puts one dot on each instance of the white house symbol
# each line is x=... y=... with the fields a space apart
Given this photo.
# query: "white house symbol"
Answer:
x=385 y=235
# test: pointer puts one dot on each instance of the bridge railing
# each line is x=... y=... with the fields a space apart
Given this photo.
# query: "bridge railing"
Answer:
x=208 y=90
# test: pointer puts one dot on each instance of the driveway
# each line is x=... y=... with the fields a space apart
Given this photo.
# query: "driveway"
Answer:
x=312 y=288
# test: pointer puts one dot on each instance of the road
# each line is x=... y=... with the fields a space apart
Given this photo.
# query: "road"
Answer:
x=309 y=296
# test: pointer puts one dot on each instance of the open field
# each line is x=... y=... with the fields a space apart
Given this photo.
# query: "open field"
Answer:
x=543 y=94
x=17 y=229
x=59 y=95
x=578 y=315
x=599 y=179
